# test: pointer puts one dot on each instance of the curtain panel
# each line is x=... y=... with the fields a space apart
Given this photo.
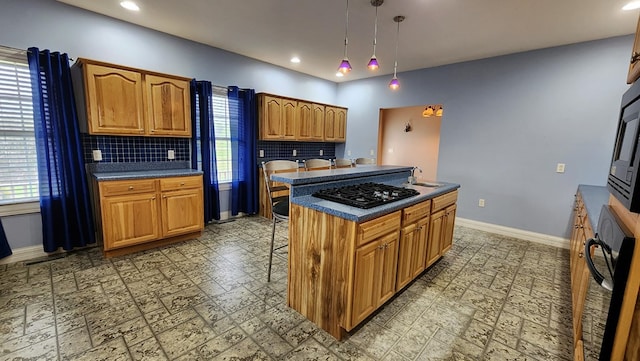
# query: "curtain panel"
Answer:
x=244 y=160
x=5 y=249
x=64 y=195
x=203 y=146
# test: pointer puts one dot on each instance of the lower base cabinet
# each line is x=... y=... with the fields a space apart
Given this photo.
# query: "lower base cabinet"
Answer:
x=141 y=211
x=341 y=271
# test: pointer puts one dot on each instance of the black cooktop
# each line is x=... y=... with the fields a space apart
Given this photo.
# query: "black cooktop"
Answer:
x=366 y=195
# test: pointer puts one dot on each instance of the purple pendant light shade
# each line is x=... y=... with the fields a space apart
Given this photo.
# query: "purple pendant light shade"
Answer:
x=373 y=63
x=394 y=83
x=345 y=67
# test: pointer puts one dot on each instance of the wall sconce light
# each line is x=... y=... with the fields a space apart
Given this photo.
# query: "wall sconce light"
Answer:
x=439 y=111
x=428 y=111
x=407 y=128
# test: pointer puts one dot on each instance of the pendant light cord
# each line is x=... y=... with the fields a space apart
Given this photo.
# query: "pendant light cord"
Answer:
x=395 y=64
x=346 y=32
x=375 y=33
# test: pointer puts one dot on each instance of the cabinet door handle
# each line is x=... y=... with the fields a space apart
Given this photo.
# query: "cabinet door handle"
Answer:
x=380 y=247
x=580 y=254
x=130 y=188
x=181 y=184
x=635 y=56
x=153 y=198
x=153 y=130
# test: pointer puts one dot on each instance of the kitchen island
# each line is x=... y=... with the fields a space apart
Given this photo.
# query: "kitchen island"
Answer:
x=346 y=262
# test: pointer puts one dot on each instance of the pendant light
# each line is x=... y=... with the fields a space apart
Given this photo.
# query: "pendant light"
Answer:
x=345 y=67
x=373 y=63
x=394 y=83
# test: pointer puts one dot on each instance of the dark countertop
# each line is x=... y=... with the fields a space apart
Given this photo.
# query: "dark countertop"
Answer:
x=304 y=184
x=142 y=170
x=594 y=198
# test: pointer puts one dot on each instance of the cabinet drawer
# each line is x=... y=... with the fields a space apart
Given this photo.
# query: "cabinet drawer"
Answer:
x=115 y=188
x=415 y=212
x=444 y=200
x=176 y=183
x=375 y=228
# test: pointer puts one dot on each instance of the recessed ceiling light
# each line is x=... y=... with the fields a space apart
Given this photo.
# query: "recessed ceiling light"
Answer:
x=632 y=5
x=339 y=74
x=130 y=5
x=295 y=59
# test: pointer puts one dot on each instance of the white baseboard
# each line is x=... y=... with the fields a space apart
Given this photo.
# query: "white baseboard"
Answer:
x=24 y=254
x=515 y=233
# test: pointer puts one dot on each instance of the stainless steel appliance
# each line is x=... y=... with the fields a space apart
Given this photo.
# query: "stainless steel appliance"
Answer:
x=616 y=244
x=366 y=195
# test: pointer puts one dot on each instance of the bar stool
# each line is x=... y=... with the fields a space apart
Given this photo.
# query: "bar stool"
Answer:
x=279 y=203
x=343 y=163
x=317 y=164
x=365 y=161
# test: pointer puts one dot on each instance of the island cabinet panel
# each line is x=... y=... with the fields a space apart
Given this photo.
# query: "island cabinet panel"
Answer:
x=130 y=220
x=341 y=271
x=319 y=245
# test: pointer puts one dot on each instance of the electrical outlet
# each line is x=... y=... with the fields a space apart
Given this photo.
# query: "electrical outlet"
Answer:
x=321 y=152
x=295 y=152
x=480 y=202
x=560 y=168
x=261 y=153
x=97 y=155
x=371 y=152
x=349 y=153
x=171 y=154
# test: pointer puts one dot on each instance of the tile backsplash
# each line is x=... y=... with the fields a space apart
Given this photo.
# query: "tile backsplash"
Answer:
x=304 y=150
x=116 y=149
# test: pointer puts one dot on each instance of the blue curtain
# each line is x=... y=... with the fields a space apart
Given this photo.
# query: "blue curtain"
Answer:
x=203 y=146
x=5 y=250
x=244 y=167
x=64 y=194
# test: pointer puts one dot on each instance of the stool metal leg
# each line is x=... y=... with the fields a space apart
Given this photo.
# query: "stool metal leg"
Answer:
x=273 y=234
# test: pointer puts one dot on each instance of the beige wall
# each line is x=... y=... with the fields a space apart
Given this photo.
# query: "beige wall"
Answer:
x=418 y=147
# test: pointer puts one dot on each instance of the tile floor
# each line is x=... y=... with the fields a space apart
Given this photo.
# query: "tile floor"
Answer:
x=489 y=298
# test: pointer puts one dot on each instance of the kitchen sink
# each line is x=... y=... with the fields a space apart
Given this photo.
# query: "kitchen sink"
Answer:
x=426 y=184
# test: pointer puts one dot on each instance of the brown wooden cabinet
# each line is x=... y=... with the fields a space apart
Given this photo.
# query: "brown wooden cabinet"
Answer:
x=282 y=118
x=443 y=213
x=634 y=65
x=582 y=230
x=413 y=243
x=134 y=212
x=335 y=124
x=117 y=100
x=168 y=106
x=341 y=271
x=277 y=118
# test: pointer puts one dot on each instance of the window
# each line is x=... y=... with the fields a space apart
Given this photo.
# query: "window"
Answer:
x=222 y=129
x=18 y=164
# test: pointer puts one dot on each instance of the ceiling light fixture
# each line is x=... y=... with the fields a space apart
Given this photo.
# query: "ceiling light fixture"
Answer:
x=130 y=5
x=345 y=67
x=632 y=5
x=295 y=60
x=394 y=83
x=373 y=62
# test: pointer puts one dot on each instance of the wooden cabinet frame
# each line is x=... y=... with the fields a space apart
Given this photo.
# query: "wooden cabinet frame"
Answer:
x=118 y=100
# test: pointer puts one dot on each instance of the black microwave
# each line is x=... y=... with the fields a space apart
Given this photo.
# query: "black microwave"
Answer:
x=623 y=178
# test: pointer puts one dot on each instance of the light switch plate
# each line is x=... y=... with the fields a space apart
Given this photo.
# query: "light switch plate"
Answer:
x=171 y=154
x=97 y=155
x=261 y=153
x=321 y=152
x=295 y=152
x=560 y=168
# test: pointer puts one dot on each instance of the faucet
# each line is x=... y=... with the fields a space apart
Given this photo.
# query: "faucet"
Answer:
x=412 y=179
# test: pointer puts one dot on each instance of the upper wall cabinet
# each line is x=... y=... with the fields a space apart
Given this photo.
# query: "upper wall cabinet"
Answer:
x=118 y=100
x=634 y=66
x=282 y=118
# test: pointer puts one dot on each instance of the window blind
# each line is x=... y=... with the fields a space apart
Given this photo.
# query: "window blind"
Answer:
x=221 y=124
x=18 y=164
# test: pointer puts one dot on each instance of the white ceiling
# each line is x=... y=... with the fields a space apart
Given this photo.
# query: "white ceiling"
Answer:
x=435 y=32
